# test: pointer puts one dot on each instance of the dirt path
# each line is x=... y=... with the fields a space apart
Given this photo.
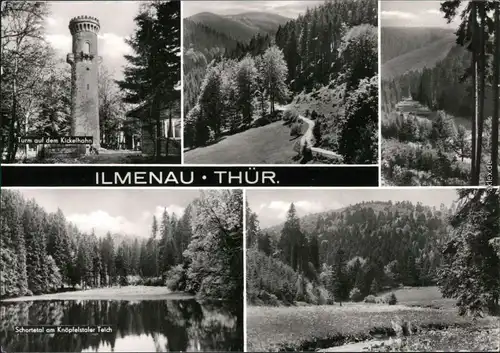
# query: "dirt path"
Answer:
x=111 y=157
x=112 y=293
x=309 y=137
x=355 y=347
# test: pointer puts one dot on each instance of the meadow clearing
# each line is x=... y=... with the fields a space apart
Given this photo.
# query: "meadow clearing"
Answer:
x=434 y=322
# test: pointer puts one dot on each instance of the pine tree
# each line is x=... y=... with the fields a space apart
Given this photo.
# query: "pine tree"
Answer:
x=471 y=269
x=252 y=227
x=314 y=252
x=375 y=287
x=153 y=72
x=36 y=254
x=58 y=242
x=496 y=99
x=13 y=250
x=292 y=58
x=290 y=238
x=264 y=244
x=340 y=285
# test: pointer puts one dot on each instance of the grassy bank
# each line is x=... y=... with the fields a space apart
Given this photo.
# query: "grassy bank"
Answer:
x=433 y=321
x=312 y=327
x=110 y=293
x=270 y=144
x=482 y=337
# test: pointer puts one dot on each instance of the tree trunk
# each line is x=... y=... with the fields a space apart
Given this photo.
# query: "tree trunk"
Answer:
x=474 y=87
x=11 y=155
x=157 y=114
x=482 y=86
x=496 y=98
x=169 y=128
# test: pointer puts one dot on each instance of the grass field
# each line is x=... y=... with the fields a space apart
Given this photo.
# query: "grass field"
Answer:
x=426 y=297
x=112 y=293
x=319 y=327
x=270 y=144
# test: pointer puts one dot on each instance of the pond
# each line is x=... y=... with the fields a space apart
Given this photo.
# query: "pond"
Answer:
x=138 y=326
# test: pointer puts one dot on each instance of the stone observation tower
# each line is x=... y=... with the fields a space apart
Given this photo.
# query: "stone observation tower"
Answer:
x=84 y=63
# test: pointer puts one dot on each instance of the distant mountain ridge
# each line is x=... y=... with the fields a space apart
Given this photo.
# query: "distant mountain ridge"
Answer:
x=408 y=49
x=425 y=57
x=242 y=27
x=308 y=222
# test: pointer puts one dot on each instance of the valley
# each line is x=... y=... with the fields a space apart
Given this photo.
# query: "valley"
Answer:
x=428 y=110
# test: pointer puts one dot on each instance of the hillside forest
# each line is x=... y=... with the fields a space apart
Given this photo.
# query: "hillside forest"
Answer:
x=321 y=66
x=440 y=100
x=357 y=252
x=36 y=81
x=198 y=252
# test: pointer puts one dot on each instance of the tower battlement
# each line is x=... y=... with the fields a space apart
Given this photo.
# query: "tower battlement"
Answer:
x=84 y=24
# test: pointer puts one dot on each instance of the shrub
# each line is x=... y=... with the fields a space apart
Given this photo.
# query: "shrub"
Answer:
x=268 y=299
x=311 y=293
x=153 y=281
x=317 y=132
x=306 y=152
x=314 y=115
x=290 y=115
x=276 y=115
x=370 y=299
x=176 y=278
x=262 y=122
x=391 y=299
x=211 y=136
x=267 y=277
x=324 y=296
x=307 y=113
x=355 y=295
x=359 y=135
x=287 y=294
x=296 y=130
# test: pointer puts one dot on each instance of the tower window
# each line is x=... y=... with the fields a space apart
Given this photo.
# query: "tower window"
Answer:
x=88 y=86
x=86 y=48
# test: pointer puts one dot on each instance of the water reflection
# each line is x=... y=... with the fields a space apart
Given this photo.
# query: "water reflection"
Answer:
x=145 y=326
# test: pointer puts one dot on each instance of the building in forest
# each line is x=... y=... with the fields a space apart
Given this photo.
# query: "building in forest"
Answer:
x=170 y=130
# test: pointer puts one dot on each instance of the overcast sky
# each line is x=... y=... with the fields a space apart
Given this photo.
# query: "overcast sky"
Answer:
x=271 y=206
x=125 y=211
x=291 y=9
x=413 y=14
x=117 y=22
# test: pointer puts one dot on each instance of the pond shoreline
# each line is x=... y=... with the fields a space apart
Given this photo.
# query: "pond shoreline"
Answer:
x=109 y=293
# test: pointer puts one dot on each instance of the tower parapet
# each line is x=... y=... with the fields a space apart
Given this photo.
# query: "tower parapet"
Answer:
x=84 y=24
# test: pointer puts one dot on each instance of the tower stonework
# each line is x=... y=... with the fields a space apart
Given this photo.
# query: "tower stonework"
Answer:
x=84 y=63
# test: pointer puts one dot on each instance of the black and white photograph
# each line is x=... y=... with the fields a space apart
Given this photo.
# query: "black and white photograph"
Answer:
x=162 y=268
x=91 y=82
x=280 y=82
x=440 y=93
x=377 y=270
